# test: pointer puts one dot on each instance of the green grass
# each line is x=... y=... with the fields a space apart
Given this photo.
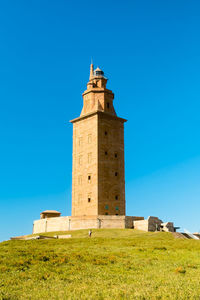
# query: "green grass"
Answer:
x=113 y=264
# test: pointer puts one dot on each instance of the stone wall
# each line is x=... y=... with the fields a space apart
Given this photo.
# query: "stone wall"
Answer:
x=101 y=221
x=150 y=224
x=153 y=224
x=168 y=226
x=141 y=225
x=75 y=223
x=51 y=224
x=130 y=221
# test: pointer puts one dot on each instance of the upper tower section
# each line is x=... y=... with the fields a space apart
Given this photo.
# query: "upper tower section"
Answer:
x=97 y=97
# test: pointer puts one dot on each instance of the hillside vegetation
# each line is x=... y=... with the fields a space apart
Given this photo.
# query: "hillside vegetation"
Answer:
x=113 y=264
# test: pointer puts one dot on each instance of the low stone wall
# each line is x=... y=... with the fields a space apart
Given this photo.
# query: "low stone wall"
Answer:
x=129 y=221
x=111 y=222
x=51 y=224
x=102 y=221
x=141 y=225
x=150 y=224
x=153 y=224
x=87 y=222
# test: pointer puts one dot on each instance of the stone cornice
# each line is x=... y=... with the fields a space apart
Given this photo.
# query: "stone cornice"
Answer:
x=98 y=90
x=100 y=113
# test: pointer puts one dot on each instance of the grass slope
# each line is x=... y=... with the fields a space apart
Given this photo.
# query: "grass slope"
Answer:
x=113 y=264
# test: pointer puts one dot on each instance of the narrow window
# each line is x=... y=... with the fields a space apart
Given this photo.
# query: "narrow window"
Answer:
x=106 y=213
x=108 y=104
x=106 y=133
x=89 y=178
x=106 y=152
x=115 y=154
x=117 y=208
x=89 y=197
x=106 y=207
x=89 y=138
x=116 y=173
x=80 y=141
x=116 y=197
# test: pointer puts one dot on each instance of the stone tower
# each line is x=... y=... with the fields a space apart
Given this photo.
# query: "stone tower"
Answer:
x=98 y=183
x=98 y=187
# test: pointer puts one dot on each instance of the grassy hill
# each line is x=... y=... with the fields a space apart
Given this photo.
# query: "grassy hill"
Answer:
x=113 y=264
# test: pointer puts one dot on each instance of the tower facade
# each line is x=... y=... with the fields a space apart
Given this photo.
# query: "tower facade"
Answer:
x=98 y=182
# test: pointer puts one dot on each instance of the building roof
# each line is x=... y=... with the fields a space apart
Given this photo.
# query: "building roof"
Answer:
x=50 y=212
x=97 y=69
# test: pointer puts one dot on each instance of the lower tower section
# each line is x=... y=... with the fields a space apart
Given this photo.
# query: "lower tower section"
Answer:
x=98 y=184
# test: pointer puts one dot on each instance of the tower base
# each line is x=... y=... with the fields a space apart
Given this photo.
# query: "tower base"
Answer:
x=83 y=222
x=101 y=221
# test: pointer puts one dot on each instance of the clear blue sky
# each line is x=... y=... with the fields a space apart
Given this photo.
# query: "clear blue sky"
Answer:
x=150 y=51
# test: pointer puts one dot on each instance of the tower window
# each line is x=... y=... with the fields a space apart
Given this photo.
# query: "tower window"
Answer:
x=116 y=197
x=108 y=104
x=80 y=141
x=106 y=213
x=89 y=178
x=106 y=133
x=89 y=157
x=116 y=173
x=117 y=208
x=106 y=207
x=89 y=197
x=116 y=155
x=89 y=138
x=106 y=152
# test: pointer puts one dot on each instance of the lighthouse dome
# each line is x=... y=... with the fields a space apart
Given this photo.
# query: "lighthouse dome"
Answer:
x=98 y=72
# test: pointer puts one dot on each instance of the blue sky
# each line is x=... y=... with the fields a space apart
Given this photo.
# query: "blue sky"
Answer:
x=150 y=51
